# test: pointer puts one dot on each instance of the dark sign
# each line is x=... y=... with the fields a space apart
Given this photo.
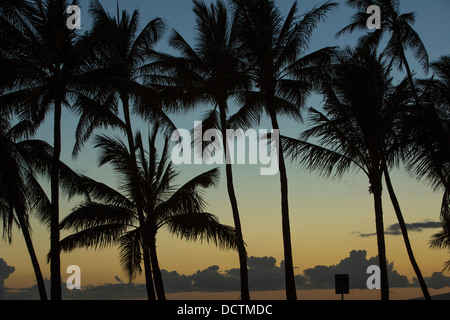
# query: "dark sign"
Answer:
x=342 y=283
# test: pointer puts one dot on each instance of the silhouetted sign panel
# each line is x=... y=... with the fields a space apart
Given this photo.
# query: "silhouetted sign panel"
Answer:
x=342 y=283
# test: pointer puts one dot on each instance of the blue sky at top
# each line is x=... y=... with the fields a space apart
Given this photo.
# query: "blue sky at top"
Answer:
x=432 y=24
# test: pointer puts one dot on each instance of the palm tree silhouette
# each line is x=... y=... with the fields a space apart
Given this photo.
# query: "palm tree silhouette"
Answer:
x=272 y=47
x=427 y=131
x=125 y=52
x=48 y=64
x=402 y=35
x=19 y=190
x=358 y=130
x=211 y=72
x=25 y=159
x=110 y=217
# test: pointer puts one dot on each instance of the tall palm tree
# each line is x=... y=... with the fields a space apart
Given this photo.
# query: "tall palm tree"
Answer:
x=428 y=131
x=211 y=72
x=50 y=65
x=361 y=107
x=273 y=47
x=402 y=35
x=25 y=159
x=110 y=217
x=125 y=51
x=19 y=190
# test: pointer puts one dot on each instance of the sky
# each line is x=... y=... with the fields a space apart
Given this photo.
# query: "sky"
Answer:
x=329 y=219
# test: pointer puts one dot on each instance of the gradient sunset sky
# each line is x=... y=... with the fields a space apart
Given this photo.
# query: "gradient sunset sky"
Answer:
x=328 y=218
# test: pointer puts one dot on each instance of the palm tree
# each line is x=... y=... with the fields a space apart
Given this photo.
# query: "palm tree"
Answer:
x=50 y=63
x=19 y=190
x=362 y=107
x=402 y=37
x=211 y=72
x=427 y=131
x=273 y=47
x=399 y=26
x=125 y=51
x=110 y=217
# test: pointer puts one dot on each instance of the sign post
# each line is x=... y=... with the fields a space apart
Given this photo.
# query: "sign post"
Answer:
x=342 y=284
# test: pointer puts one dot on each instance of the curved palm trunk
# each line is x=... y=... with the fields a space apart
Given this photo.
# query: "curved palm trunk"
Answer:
x=157 y=276
x=402 y=224
x=291 y=292
x=377 y=193
x=34 y=260
x=55 y=262
x=136 y=194
x=242 y=252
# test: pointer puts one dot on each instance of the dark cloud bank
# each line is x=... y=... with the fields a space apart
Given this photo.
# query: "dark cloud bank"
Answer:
x=264 y=274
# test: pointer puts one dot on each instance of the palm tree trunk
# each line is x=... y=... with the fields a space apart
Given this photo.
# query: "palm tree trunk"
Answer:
x=157 y=276
x=148 y=272
x=55 y=262
x=242 y=252
x=402 y=224
x=377 y=193
x=34 y=260
x=137 y=197
x=291 y=292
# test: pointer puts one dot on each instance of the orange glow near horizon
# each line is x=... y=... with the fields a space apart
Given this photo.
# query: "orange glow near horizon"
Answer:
x=318 y=237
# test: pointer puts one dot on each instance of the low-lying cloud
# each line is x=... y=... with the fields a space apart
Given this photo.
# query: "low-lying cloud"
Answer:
x=5 y=271
x=264 y=274
x=395 y=230
x=355 y=265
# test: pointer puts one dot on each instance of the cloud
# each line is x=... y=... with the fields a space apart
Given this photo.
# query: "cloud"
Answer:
x=174 y=282
x=395 y=230
x=262 y=263
x=355 y=265
x=264 y=274
x=211 y=279
x=437 y=281
x=107 y=291
x=5 y=271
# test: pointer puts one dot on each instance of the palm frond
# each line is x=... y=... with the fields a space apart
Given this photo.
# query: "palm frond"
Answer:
x=318 y=159
x=180 y=44
x=147 y=38
x=188 y=198
x=201 y=227
x=210 y=121
x=94 y=114
x=130 y=253
x=310 y=21
x=97 y=237
x=359 y=22
x=91 y=214
x=249 y=114
x=39 y=203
